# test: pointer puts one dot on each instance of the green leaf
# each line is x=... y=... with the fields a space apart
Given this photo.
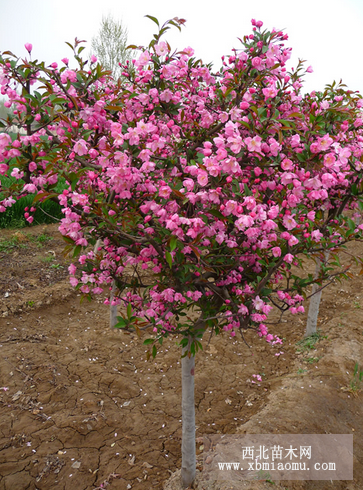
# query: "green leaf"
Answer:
x=169 y=259
x=184 y=342
x=154 y=19
x=262 y=113
x=248 y=192
x=129 y=311
x=74 y=184
x=148 y=341
x=286 y=122
x=40 y=196
x=245 y=124
x=217 y=214
x=200 y=158
x=77 y=251
x=154 y=351
x=67 y=239
x=173 y=242
x=121 y=322
x=351 y=224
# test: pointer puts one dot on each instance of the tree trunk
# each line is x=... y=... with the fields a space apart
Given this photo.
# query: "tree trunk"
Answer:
x=113 y=308
x=312 y=321
x=189 y=461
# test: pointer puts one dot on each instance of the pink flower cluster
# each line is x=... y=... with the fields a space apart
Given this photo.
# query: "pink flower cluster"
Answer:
x=215 y=184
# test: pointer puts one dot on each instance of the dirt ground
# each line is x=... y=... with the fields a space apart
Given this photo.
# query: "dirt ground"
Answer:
x=82 y=409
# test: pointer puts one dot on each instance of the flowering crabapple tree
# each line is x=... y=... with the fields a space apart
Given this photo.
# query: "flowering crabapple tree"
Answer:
x=204 y=191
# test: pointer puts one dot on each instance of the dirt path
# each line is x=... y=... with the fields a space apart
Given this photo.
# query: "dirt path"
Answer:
x=81 y=408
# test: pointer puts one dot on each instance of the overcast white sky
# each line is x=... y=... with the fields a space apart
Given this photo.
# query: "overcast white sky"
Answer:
x=326 y=33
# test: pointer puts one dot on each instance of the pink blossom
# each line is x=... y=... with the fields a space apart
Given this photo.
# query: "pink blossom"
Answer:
x=293 y=241
x=16 y=173
x=325 y=142
x=258 y=303
x=295 y=140
x=5 y=140
x=31 y=188
x=164 y=191
x=269 y=92
x=276 y=251
x=235 y=143
x=243 y=222
x=344 y=154
x=72 y=269
x=286 y=164
x=80 y=148
x=202 y=178
x=223 y=117
x=316 y=235
x=70 y=75
x=188 y=51
x=28 y=47
x=243 y=310
x=254 y=144
x=258 y=63
x=143 y=59
x=289 y=222
x=161 y=49
x=273 y=212
x=3 y=168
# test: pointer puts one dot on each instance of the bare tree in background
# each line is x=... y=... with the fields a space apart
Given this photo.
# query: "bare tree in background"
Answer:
x=110 y=45
x=4 y=111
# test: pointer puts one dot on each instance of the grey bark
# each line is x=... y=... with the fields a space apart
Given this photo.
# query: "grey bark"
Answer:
x=312 y=321
x=113 y=308
x=188 y=470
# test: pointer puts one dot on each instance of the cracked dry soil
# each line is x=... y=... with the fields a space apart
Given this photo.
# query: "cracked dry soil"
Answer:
x=82 y=409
